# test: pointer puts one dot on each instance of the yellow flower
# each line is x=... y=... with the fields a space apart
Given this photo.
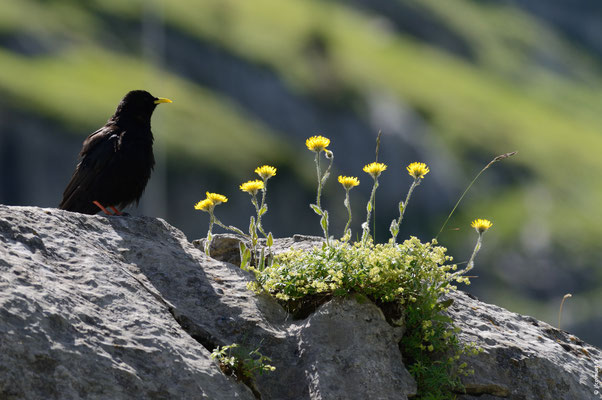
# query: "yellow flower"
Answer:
x=265 y=172
x=375 y=169
x=317 y=143
x=217 y=198
x=252 y=187
x=481 y=225
x=348 y=182
x=418 y=170
x=204 y=205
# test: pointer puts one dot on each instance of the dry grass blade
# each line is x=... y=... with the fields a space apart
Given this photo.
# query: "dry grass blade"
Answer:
x=496 y=159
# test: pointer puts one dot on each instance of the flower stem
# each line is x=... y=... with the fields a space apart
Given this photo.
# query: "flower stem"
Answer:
x=258 y=210
x=348 y=205
x=321 y=180
x=477 y=247
x=405 y=205
x=566 y=296
x=319 y=172
x=369 y=206
x=209 y=233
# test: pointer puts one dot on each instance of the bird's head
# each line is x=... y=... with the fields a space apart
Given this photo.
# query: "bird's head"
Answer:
x=138 y=105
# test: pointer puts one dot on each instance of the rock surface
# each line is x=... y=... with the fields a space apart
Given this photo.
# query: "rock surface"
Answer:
x=126 y=308
x=523 y=358
x=79 y=319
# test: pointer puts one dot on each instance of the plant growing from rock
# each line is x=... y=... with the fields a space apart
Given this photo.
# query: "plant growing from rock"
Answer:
x=374 y=170
x=348 y=182
x=408 y=281
x=319 y=144
x=265 y=172
x=208 y=205
x=417 y=171
x=481 y=226
x=242 y=363
x=252 y=187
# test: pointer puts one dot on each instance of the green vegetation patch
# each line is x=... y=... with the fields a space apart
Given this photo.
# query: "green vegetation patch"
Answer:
x=406 y=280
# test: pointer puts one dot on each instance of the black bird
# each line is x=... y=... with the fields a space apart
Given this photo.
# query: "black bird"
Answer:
x=116 y=161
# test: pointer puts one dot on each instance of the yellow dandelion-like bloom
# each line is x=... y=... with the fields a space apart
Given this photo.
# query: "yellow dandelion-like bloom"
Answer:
x=481 y=225
x=375 y=169
x=204 y=205
x=265 y=171
x=217 y=198
x=348 y=182
x=317 y=143
x=418 y=170
x=252 y=187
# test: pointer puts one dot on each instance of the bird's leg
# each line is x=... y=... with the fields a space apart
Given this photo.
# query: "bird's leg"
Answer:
x=101 y=207
x=116 y=211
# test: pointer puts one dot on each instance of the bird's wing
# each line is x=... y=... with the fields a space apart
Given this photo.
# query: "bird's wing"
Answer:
x=97 y=152
x=100 y=147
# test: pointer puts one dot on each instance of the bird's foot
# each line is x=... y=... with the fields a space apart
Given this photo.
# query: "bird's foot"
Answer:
x=116 y=211
x=97 y=204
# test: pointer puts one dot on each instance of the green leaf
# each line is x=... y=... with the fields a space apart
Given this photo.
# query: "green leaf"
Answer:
x=208 y=243
x=394 y=228
x=270 y=240
x=252 y=226
x=324 y=222
x=445 y=304
x=369 y=206
x=245 y=255
x=401 y=207
x=442 y=318
x=316 y=209
x=263 y=210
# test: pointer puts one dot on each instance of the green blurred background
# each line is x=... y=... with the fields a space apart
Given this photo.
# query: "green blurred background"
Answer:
x=449 y=83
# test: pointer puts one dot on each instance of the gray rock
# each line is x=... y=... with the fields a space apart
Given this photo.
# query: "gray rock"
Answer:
x=79 y=320
x=95 y=307
x=127 y=308
x=337 y=348
x=523 y=358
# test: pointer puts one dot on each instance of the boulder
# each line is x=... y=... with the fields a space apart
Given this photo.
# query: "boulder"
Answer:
x=95 y=307
x=523 y=358
x=101 y=307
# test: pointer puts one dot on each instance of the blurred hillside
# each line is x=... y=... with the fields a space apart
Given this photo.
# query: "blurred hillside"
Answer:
x=449 y=83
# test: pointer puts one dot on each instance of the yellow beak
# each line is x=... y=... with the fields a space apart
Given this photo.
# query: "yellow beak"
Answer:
x=160 y=100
